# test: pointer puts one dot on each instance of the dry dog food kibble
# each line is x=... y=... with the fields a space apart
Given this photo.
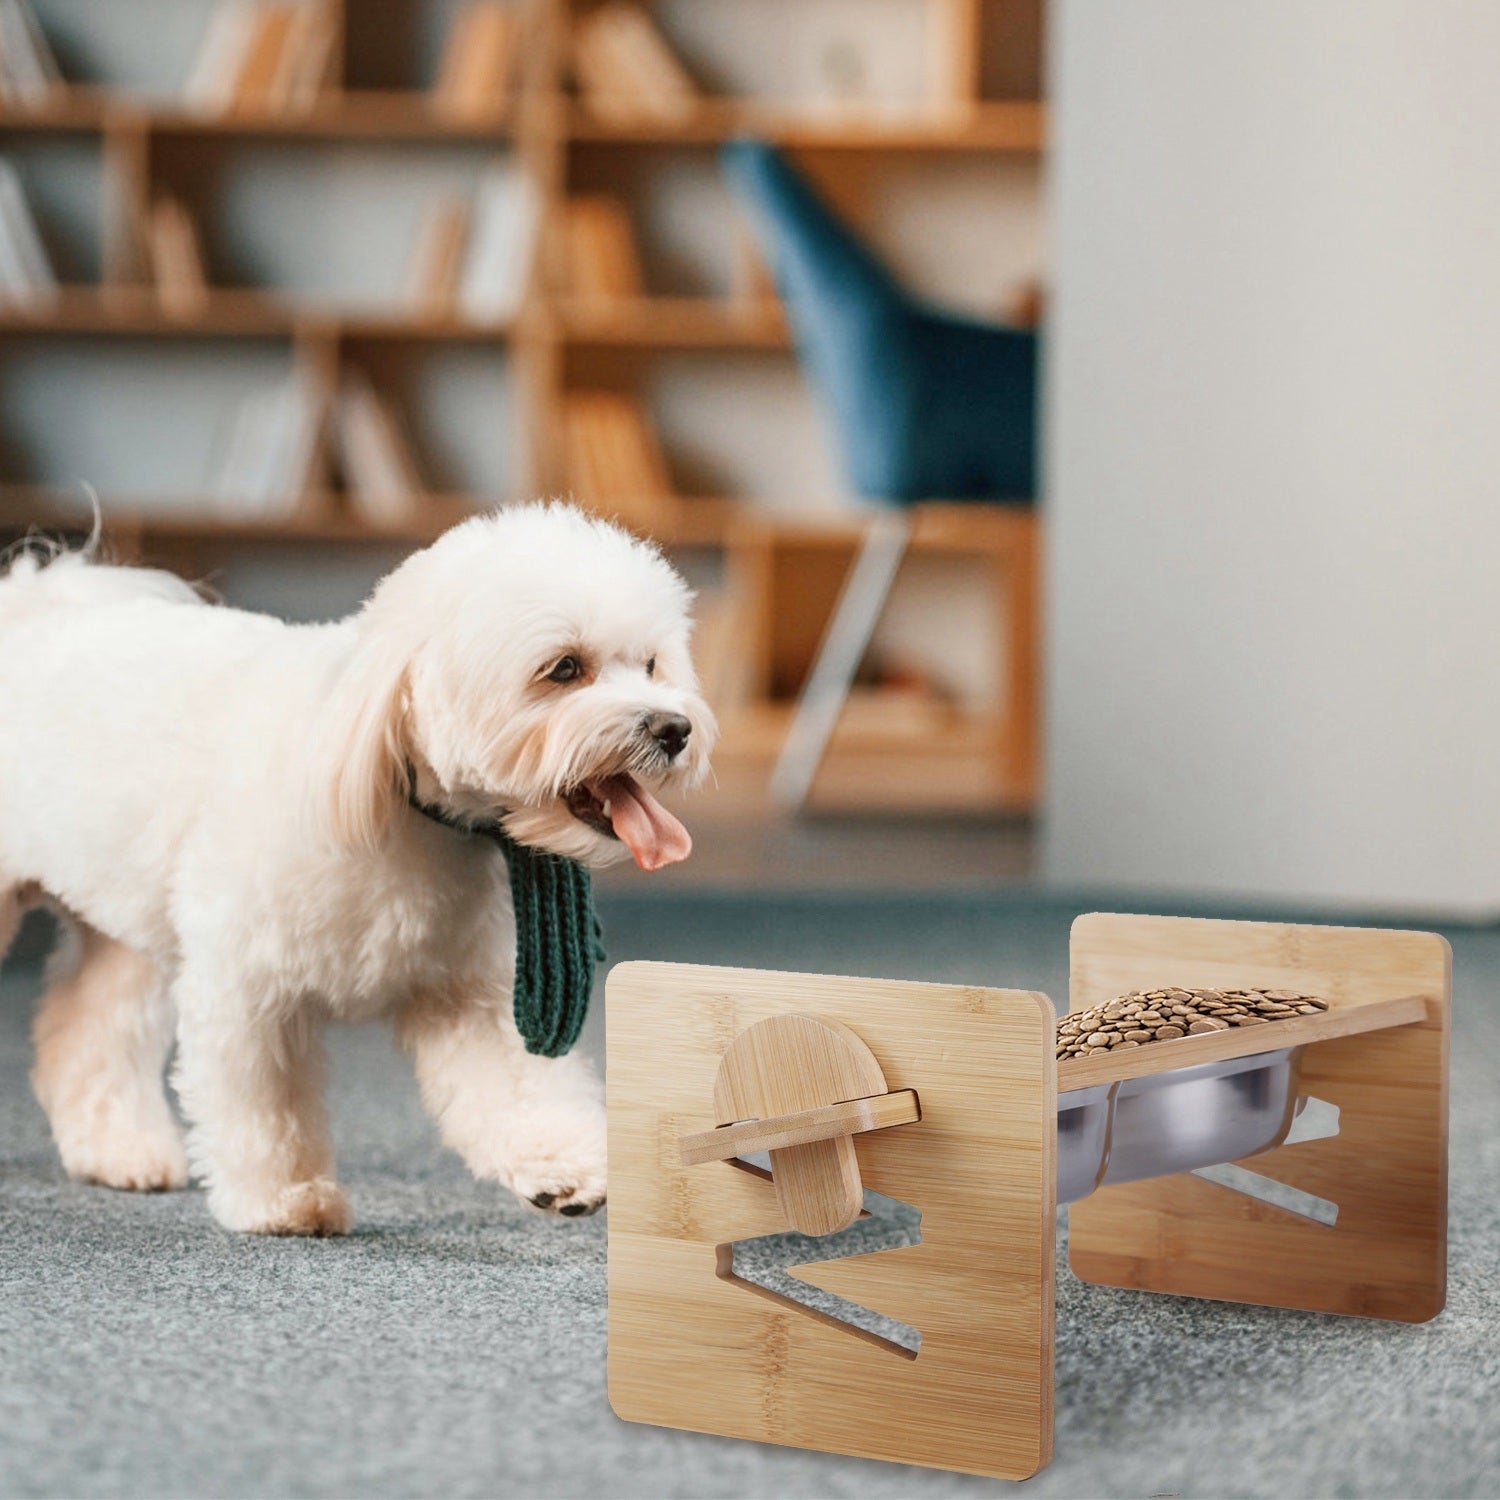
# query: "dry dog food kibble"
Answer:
x=1164 y=1015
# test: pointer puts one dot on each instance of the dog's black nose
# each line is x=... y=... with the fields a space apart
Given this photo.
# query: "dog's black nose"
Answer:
x=670 y=731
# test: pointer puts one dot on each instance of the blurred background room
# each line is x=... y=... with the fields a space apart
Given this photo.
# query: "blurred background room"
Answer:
x=1076 y=418
x=296 y=286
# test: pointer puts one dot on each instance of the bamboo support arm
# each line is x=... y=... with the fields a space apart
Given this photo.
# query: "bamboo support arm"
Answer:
x=852 y=1117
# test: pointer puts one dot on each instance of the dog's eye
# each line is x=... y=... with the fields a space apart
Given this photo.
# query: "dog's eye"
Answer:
x=651 y=667
x=566 y=670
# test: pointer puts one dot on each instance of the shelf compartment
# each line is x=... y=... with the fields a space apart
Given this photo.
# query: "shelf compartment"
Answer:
x=925 y=758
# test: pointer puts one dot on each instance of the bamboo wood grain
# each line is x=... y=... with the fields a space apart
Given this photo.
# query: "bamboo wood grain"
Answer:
x=1386 y=1169
x=692 y=1347
x=853 y=1117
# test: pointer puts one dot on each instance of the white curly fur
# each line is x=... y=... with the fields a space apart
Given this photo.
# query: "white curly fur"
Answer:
x=217 y=804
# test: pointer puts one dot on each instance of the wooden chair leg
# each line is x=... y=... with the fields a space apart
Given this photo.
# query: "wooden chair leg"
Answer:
x=1020 y=588
x=852 y=627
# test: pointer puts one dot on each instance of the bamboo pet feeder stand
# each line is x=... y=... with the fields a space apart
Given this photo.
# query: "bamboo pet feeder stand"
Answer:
x=947 y=1097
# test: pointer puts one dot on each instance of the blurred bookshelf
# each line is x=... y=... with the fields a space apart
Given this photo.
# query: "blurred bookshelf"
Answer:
x=528 y=302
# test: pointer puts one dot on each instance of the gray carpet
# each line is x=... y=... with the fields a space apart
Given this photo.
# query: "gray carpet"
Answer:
x=455 y=1347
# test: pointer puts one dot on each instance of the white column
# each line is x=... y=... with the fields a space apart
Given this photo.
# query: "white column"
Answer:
x=1274 y=450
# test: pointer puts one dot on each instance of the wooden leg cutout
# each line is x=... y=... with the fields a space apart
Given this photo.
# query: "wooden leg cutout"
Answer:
x=774 y=1266
x=1279 y=1195
x=1386 y=1168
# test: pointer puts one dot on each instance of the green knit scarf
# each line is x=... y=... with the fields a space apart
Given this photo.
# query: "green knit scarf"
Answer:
x=558 y=938
x=558 y=943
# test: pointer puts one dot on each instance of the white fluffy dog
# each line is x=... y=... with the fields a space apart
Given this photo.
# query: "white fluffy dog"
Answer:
x=221 y=806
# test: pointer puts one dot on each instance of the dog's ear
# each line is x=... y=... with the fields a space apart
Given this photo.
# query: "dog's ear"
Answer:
x=366 y=748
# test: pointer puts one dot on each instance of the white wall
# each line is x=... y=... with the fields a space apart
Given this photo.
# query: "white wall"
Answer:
x=1275 y=450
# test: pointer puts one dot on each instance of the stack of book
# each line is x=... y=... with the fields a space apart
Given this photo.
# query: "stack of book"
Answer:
x=436 y=268
x=625 y=69
x=479 y=61
x=276 y=459
x=29 y=74
x=599 y=257
x=269 y=464
x=175 y=256
x=474 y=258
x=614 y=461
x=262 y=57
x=26 y=275
x=375 y=456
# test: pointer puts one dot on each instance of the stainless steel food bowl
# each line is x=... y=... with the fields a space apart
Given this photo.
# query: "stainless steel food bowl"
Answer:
x=1082 y=1140
x=1174 y=1122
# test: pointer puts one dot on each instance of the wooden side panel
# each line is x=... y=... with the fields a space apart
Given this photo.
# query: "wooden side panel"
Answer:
x=1387 y=1169
x=688 y=1348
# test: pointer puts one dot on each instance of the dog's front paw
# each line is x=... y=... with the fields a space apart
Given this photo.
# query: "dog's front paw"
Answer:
x=570 y=1200
x=317 y=1207
x=570 y=1180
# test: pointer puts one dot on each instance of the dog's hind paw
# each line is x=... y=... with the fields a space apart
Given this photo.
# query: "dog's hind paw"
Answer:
x=133 y=1161
x=317 y=1207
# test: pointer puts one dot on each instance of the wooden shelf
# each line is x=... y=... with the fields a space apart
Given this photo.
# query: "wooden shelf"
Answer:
x=230 y=312
x=410 y=114
x=988 y=126
x=445 y=513
x=355 y=114
x=937 y=527
x=135 y=310
x=375 y=323
x=675 y=323
x=698 y=522
x=322 y=519
x=701 y=521
x=404 y=115
x=75 y=108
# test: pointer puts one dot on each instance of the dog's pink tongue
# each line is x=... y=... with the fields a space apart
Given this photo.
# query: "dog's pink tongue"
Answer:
x=653 y=836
